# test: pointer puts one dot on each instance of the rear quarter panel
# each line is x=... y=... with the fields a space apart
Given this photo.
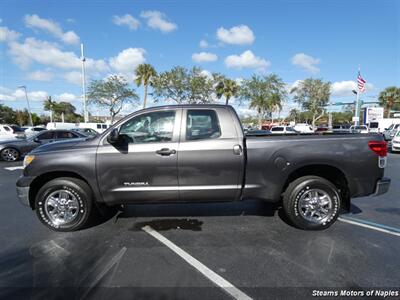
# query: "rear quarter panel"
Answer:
x=270 y=161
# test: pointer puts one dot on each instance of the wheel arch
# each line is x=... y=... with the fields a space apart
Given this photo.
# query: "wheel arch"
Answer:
x=41 y=180
x=328 y=172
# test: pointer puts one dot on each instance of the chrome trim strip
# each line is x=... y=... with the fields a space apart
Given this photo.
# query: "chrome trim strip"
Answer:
x=176 y=188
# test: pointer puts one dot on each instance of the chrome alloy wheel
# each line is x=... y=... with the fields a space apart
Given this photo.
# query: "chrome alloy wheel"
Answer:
x=316 y=206
x=9 y=154
x=61 y=207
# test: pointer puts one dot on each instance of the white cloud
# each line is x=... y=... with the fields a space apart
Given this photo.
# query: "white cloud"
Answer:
x=37 y=95
x=345 y=88
x=204 y=57
x=41 y=76
x=206 y=73
x=45 y=53
x=203 y=44
x=246 y=60
x=74 y=77
x=156 y=20
x=66 y=97
x=7 y=35
x=71 y=20
x=306 y=62
x=19 y=94
x=127 y=60
x=35 y=22
x=126 y=20
x=237 y=35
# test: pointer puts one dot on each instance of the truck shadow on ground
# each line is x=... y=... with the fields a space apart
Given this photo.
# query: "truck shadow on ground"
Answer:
x=182 y=215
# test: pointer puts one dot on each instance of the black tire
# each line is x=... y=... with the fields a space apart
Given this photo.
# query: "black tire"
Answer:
x=304 y=187
x=75 y=188
x=10 y=154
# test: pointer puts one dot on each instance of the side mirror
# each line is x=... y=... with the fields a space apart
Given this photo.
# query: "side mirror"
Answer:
x=113 y=137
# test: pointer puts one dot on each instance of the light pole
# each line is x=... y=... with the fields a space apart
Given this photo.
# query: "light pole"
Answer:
x=356 y=110
x=85 y=112
x=27 y=101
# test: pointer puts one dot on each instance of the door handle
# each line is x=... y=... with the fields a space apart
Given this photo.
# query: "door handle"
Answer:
x=237 y=150
x=166 y=152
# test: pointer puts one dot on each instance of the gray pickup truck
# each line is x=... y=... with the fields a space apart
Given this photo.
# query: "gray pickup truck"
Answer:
x=199 y=153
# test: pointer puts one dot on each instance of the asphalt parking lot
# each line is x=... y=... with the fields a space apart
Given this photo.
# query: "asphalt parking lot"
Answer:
x=187 y=250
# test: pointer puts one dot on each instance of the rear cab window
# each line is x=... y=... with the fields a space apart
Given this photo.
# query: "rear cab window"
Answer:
x=202 y=124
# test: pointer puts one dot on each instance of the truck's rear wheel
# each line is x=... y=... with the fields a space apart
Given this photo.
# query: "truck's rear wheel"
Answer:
x=64 y=204
x=312 y=203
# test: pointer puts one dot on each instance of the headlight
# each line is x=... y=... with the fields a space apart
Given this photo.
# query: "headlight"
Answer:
x=28 y=159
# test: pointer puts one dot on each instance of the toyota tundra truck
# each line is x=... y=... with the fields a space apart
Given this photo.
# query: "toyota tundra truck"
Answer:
x=199 y=153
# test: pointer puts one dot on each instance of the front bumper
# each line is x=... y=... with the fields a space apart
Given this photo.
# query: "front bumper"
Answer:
x=23 y=184
x=382 y=186
x=23 y=195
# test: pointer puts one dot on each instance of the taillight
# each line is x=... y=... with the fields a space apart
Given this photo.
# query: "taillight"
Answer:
x=379 y=147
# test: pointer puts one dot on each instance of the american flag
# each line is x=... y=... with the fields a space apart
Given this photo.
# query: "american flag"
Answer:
x=360 y=83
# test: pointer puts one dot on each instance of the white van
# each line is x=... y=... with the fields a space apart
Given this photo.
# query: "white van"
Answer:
x=99 y=127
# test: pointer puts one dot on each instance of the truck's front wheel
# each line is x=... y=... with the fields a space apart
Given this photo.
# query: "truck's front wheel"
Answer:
x=312 y=203
x=64 y=204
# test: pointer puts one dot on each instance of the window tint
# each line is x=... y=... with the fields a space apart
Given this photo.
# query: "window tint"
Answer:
x=46 y=135
x=373 y=125
x=7 y=128
x=202 y=124
x=150 y=128
x=277 y=129
x=38 y=129
x=98 y=126
x=65 y=135
x=104 y=126
x=289 y=129
x=16 y=128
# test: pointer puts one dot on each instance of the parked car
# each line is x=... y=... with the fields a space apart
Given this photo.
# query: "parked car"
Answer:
x=390 y=132
x=192 y=153
x=359 y=129
x=32 y=130
x=374 y=127
x=341 y=128
x=396 y=142
x=283 y=130
x=303 y=128
x=12 y=150
x=257 y=132
x=11 y=132
x=321 y=129
x=86 y=131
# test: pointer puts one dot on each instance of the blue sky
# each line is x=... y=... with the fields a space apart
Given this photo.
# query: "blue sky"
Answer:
x=40 y=43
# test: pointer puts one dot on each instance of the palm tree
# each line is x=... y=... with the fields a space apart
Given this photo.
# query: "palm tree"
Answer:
x=265 y=94
x=145 y=74
x=48 y=105
x=294 y=114
x=227 y=88
x=390 y=98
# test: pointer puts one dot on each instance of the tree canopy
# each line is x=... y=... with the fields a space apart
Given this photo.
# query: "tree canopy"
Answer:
x=111 y=93
x=183 y=86
x=313 y=95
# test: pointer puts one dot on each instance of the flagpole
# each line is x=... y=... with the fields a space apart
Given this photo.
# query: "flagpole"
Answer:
x=356 y=111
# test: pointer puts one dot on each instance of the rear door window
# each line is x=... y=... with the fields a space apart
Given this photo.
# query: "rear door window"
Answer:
x=49 y=135
x=277 y=129
x=65 y=135
x=202 y=124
